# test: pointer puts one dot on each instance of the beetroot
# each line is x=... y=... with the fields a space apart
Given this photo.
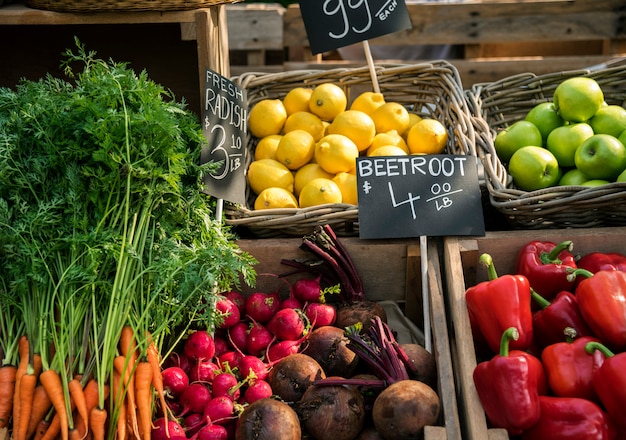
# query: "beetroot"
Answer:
x=293 y=375
x=287 y=324
x=424 y=364
x=328 y=345
x=268 y=419
x=320 y=314
x=199 y=345
x=262 y=306
x=228 y=313
x=350 y=313
x=175 y=381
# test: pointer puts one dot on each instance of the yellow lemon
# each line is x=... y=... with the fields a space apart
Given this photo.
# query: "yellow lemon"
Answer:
x=391 y=116
x=327 y=101
x=387 y=150
x=414 y=118
x=267 y=117
x=266 y=147
x=388 y=138
x=274 y=198
x=297 y=100
x=347 y=185
x=356 y=125
x=319 y=192
x=367 y=102
x=267 y=173
x=306 y=121
x=295 y=149
x=307 y=173
x=336 y=153
x=428 y=136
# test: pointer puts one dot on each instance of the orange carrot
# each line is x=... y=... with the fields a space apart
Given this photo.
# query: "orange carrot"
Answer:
x=41 y=407
x=51 y=381
x=157 y=380
x=91 y=400
x=118 y=395
x=75 y=435
x=41 y=429
x=128 y=343
x=97 y=422
x=128 y=382
x=78 y=396
x=23 y=348
x=28 y=382
x=7 y=390
x=143 y=393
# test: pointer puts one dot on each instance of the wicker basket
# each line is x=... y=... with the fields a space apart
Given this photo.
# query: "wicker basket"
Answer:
x=430 y=89
x=496 y=106
x=122 y=5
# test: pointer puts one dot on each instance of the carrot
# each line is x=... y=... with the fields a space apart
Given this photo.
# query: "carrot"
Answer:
x=157 y=380
x=23 y=348
x=118 y=395
x=7 y=390
x=125 y=370
x=143 y=393
x=51 y=381
x=78 y=396
x=41 y=406
x=128 y=343
x=97 y=422
x=28 y=382
x=91 y=400
x=41 y=429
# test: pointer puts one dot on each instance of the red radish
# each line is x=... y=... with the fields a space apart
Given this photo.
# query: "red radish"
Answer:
x=281 y=349
x=175 y=381
x=193 y=423
x=287 y=324
x=178 y=360
x=219 y=411
x=212 y=432
x=199 y=345
x=194 y=398
x=320 y=314
x=308 y=289
x=228 y=312
x=226 y=384
x=259 y=338
x=238 y=335
x=230 y=359
x=262 y=306
x=174 y=428
x=238 y=299
x=203 y=371
x=258 y=389
x=291 y=302
x=253 y=366
x=221 y=345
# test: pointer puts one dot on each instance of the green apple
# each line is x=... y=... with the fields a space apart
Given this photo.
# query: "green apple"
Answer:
x=563 y=141
x=621 y=177
x=534 y=168
x=545 y=117
x=610 y=119
x=577 y=99
x=601 y=156
x=573 y=177
x=622 y=137
x=517 y=135
x=595 y=182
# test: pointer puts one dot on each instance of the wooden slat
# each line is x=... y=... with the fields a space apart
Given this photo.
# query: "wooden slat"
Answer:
x=255 y=26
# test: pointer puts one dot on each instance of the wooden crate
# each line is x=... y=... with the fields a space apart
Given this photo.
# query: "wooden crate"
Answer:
x=462 y=270
x=390 y=270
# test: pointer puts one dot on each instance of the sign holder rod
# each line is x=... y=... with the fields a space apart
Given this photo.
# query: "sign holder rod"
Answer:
x=425 y=292
x=370 y=64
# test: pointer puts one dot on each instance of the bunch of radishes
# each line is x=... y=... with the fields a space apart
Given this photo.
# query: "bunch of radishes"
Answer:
x=214 y=377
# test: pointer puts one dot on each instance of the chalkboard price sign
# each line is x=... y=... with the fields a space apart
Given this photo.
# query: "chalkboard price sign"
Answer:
x=331 y=24
x=224 y=125
x=421 y=195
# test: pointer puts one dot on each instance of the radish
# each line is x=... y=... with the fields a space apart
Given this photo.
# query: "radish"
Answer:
x=228 y=312
x=199 y=345
x=253 y=366
x=179 y=360
x=320 y=314
x=221 y=344
x=194 y=399
x=258 y=389
x=291 y=302
x=308 y=290
x=219 y=411
x=226 y=384
x=239 y=300
x=193 y=423
x=262 y=306
x=159 y=431
x=175 y=381
x=212 y=432
x=238 y=335
x=230 y=359
x=287 y=324
x=259 y=338
x=282 y=349
x=203 y=371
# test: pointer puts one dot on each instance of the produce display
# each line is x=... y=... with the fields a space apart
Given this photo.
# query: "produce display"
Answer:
x=574 y=139
x=550 y=343
x=309 y=141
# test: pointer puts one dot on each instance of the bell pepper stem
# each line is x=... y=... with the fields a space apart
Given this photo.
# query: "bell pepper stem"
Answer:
x=590 y=347
x=552 y=257
x=540 y=300
x=572 y=275
x=509 y=334
x=487 y=261
x=570 y=334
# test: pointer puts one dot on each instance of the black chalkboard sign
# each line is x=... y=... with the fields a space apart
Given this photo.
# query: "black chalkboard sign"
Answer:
x=224 y=122
x=419 y=195
x=331 y=24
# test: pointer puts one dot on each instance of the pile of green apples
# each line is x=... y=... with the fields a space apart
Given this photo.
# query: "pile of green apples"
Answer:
x=575 y=139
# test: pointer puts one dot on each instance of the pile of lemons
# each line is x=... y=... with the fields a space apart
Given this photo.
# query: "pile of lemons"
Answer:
x=308 y=143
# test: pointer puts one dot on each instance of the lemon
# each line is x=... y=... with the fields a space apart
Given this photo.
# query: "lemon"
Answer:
x=274 y=198
x=367 y=102
x=428 y=136
x=297 y=100
x=319 y=192
x=387 y=150
x=336 y=153
x=327 y=101
x=266 y=173
x=266 y=147
x=267 y=117
x=347 y=185
x=388 y=138
x=295 y=149
x=414 y=118
x=356 y=125
x=391 y=116
x=307 y=173
x=306 y=121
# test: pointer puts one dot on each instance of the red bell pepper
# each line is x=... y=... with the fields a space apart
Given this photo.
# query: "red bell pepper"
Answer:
x=546 y=265
x=602 y=302
x=570 y=369
x=609 y=381
x=500 y=303
x=597 y=261
x=554 y=317
x=507 y=386
x=570 y=418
